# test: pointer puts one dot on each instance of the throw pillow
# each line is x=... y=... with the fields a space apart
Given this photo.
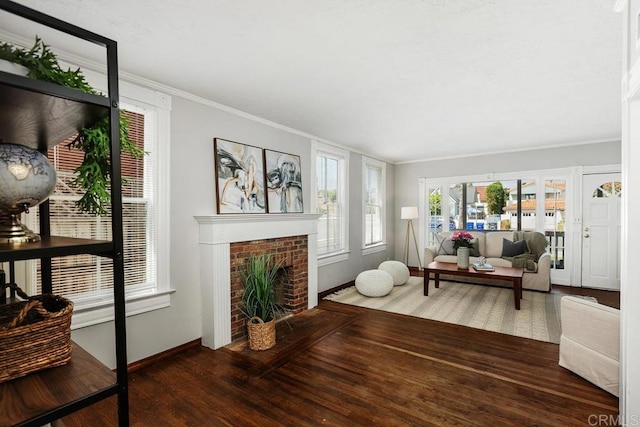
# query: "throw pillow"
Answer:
x=511 y=249
x=536 y=243
x=445 y=246
x=475 y=250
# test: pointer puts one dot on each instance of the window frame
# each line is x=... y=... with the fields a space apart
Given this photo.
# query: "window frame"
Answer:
x=98 y=307
x=319 y=149
x=572 y=208
x=380 y=246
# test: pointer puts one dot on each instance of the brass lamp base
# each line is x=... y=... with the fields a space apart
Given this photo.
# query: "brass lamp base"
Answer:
x=13 y=231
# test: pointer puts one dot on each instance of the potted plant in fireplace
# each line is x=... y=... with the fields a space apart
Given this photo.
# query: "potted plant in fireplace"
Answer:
x=259 y=301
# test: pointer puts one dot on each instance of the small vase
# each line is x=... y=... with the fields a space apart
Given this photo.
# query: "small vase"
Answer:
x=463 y=258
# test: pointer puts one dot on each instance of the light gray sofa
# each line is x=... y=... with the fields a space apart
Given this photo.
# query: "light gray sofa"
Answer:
x=490 y=245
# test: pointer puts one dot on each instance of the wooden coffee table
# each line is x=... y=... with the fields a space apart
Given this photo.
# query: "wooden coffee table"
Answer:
x=513 y=275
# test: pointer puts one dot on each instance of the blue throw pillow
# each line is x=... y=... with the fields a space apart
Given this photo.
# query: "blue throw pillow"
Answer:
x=511 y=249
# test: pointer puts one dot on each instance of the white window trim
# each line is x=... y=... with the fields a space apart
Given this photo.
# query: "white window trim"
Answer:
x=333 y=258
x=98 y=308
x=372 y=249
x=378 y=246
x=343 y=181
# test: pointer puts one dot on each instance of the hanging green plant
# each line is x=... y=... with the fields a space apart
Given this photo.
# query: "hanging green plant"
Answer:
x=93 y=175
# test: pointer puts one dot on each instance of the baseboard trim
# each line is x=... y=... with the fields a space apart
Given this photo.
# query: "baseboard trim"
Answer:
x=414 y=271
x=167 y=354
x=323 y=294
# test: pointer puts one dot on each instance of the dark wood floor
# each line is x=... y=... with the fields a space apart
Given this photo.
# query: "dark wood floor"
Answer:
x=342 y=365
x=610 y=298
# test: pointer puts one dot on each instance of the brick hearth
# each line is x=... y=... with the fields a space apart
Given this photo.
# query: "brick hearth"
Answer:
x=291 y=252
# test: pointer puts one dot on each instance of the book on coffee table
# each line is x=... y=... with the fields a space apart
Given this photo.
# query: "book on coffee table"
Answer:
x=483 y=267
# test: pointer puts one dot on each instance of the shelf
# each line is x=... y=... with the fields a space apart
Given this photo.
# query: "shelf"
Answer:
x=39 y=393
x=41 y=114
x=50 y=247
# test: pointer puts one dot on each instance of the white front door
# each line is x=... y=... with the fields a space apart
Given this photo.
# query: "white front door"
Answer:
x=601 y=231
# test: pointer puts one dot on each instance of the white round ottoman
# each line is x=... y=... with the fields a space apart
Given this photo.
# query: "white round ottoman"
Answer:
x=398 y=271
x=374 y=283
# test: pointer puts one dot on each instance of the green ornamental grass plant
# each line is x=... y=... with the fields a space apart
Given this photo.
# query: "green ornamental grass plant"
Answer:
x=259 y=296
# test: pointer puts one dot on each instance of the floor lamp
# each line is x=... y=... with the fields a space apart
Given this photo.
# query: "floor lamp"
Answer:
x=410 y=213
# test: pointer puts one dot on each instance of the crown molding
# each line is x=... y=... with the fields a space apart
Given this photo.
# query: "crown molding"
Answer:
x=515 y=150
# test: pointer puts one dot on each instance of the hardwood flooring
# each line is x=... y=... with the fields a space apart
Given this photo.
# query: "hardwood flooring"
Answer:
x=341 y=365
x=610 y=298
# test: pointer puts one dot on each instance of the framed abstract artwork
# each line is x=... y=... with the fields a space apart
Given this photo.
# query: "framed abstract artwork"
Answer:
x=283 y=182
x=239 y=177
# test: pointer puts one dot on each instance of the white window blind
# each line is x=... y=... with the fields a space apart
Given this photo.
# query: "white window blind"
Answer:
x=83 y=277
x=330 y=200
x=373 y=199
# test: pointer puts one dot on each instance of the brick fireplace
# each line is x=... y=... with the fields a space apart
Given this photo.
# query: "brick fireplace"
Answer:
x=226 y=241
x=291 y=255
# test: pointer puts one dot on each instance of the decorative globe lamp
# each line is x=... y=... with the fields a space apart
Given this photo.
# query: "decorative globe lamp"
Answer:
x=26 y=180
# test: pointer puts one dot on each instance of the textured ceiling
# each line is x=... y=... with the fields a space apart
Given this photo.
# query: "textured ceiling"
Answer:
x=401 y=79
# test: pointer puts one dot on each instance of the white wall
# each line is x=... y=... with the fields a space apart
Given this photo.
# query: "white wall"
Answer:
x=632 y=31
x=630 y=269
x=407 y=175
x=192 y=192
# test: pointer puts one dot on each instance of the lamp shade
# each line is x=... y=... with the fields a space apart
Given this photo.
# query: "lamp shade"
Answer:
x=410 y=212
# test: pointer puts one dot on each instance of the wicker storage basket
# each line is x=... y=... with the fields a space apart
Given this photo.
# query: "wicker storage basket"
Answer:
x=262 y=336
x=34 y=335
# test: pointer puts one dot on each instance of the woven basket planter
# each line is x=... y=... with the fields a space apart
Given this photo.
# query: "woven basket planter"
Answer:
x=262 y=335
x=34 y=335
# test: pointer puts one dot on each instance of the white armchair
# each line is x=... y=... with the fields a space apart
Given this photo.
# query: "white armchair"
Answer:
x=590 y=342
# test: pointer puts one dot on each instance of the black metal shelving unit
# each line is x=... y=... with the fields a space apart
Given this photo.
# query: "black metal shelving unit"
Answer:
x=39 y=115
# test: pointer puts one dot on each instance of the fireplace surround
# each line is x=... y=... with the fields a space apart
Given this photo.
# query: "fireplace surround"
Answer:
x=225 y=239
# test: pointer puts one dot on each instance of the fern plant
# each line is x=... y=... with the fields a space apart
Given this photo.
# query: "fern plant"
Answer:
x=93 y=175
x=259 y=297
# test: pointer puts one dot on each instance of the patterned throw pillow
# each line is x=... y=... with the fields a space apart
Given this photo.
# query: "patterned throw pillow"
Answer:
x=536 y=243
x=445 y=246
x=511 y=249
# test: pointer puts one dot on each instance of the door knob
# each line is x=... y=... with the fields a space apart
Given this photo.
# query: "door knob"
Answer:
x=586 y=236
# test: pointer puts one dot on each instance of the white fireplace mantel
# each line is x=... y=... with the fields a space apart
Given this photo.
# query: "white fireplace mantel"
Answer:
x=217 y=232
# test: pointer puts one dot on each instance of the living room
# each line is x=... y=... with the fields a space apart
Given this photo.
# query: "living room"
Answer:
x=187 y=121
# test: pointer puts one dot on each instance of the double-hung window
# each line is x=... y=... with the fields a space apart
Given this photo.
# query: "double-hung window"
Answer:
x=373 y=209
x=330 y=200
x=88 y=279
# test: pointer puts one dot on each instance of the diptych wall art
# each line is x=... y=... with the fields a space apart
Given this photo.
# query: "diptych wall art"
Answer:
x=284 y=182
x=239 y=177
x=254 y=180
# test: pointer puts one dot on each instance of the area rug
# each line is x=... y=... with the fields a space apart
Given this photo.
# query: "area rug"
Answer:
x=483 y=307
